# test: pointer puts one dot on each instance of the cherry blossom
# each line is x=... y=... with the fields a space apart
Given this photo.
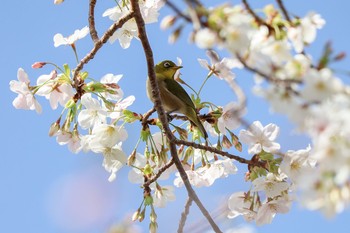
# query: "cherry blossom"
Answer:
x=70 y=40
x=295 y=163
x=114 y=159
x=320 y=85
x=260 y=138
x=25 y=98
x=54 y=90
x=240 y=203
x=268 y=210
x=271 y=184
x=220 y=68
x=150 y=12
x=70 y=138
x=205 y=38
x=230 y=118
x=136 y=174
x=125 y=34
x=305 y=32
x=93 y=114
x=206 y=176
x=116 y=111
x=163 y=195
x=116 y=93
x=107 y=136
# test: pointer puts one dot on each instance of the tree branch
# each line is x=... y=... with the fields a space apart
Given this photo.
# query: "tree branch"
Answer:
x=146 y=116
x=158 y=106
x=93 y=32
x=284 y=10
x=160 y=172
x=184 y=215
x=177 y=11
x=258 y=20
x=220 y=152
x=98 y=45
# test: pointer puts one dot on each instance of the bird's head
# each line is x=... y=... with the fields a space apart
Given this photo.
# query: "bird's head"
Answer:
x=167 y=68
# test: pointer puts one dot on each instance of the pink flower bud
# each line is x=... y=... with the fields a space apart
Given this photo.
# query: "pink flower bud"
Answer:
x=38 y=65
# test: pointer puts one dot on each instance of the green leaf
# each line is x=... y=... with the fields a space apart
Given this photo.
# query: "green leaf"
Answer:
x=266 y=156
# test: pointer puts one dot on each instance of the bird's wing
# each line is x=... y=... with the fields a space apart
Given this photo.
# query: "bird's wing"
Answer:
x=176 y=89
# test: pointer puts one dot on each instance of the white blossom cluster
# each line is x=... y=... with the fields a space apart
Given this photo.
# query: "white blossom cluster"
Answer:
x=98 y=112
x=94 y=114
x=309 y=93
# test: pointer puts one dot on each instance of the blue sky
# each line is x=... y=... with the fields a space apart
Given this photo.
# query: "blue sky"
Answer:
x=45 y=188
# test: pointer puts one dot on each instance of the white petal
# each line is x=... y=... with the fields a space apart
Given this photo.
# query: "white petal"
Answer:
x=204 y=63
x=58 y=40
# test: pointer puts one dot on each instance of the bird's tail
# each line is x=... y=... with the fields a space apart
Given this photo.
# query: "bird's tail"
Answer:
x=196 y=121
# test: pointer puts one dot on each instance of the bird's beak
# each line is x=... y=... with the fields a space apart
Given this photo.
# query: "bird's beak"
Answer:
x=177 y=67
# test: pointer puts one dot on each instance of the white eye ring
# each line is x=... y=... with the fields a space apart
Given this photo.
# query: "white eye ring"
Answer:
x=167 y=65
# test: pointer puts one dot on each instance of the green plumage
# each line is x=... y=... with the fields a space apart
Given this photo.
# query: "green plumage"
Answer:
x=173 y=95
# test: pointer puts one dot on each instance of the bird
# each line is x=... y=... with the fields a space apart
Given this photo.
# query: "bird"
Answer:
x=173 y=95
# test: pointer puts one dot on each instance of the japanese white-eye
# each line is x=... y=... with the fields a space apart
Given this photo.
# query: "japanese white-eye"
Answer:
x=173 y=95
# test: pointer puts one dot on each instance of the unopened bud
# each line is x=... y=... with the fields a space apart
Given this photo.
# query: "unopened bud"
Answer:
x=58 y=2
x=53 y=74
x=132 y=158
x=66 y=126
x=167 y=22
x=181 y=149
x=153 y=227
x=54 y=128
x=95 y=87
x=175 y=35
x=153 y=216
x=226 y=143
x=182 y=132
x=238 y=146
x=38 y=65
x=188 y=154
x=234 y=138
x=141 y=216
x=147 y=153
x=270 y=10
x=340 y=56
x=136 y=215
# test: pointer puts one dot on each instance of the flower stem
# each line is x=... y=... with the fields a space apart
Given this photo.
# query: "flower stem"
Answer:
x=206 y=79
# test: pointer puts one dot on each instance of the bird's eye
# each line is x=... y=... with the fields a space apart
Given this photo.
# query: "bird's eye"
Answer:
x=167 y=65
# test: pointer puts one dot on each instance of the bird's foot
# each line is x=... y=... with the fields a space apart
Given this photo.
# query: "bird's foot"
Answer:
x=170 y=118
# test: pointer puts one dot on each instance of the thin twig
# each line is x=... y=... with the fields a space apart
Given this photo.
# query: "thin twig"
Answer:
x=284 y=10
x=184 y=215
x=255 y=16
x=161 y=113
x=93 y=32
x=219 y=152
x=98 y=45
x=177 y=11
x=146 y=116
x=159 y=173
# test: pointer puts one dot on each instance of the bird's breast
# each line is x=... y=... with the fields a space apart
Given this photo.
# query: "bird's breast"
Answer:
x=171 y=103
